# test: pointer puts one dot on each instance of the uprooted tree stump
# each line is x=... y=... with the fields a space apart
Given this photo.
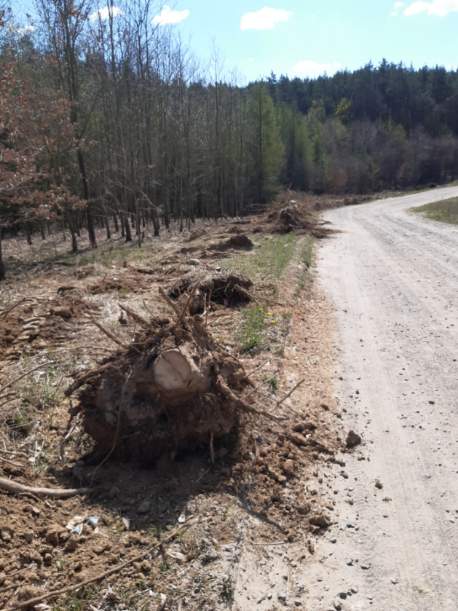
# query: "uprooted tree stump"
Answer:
x=238 y=241
x=173 y=389
x=295 y=218
x=225 y=288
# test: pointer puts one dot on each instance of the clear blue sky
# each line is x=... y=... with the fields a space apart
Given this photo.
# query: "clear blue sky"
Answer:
x=304 y=38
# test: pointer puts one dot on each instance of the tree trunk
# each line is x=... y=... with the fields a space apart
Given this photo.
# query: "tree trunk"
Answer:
x=2 y=265
x=107 y=227
x=127 y=228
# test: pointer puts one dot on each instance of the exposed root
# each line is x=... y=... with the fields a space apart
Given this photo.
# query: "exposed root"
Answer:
x=57 y=493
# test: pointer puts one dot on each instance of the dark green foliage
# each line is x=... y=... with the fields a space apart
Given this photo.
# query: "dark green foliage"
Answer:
x=375 y=128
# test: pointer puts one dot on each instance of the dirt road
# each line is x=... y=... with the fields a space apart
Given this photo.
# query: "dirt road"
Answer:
x=393 y=278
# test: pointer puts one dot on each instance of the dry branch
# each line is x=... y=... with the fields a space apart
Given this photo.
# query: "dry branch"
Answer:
x=169 y=302
x=142 y=321
x=5 y=313
x=9 y=485
x=108 y=333
x=288 y=395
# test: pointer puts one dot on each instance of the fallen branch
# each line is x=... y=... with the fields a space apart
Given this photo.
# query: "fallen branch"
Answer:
x=109 y=334
x=5 y=313
x=68 y=432
x=156 y=548
x=187 y=304
x=11 y=462
x=57 y=493
x=224 y=389
x=86 y=377
x=169 y=302
x=142 y=321
x=288 y=395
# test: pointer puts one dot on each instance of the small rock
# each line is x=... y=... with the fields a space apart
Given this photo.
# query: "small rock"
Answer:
x=47 y=559
x=289 y=468
x=56 y=535
x=378 y=484
x=353 y=440
x=304 y=509
x=321 y=520
x=211 y=555
x=5 y=535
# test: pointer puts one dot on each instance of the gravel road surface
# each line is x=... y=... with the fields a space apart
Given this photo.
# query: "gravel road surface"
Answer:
x=393 y=279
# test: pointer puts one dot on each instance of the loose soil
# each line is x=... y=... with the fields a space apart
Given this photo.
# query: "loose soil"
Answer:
x=253 y=515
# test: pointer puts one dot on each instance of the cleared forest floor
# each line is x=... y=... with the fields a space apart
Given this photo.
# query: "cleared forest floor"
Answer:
x=188 y=531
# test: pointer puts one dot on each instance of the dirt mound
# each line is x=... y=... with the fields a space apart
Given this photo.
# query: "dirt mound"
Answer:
x=173 y=389
x=238 y=241
x=130 y=282
x=295 y=217
x=228 y=289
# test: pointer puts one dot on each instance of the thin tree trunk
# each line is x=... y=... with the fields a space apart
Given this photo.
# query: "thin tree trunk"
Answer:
x=2 y=264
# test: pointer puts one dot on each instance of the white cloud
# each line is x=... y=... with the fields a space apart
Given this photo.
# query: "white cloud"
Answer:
x=170 y=17
x=307 y=68
x=397 y=7
x=264 y=19
x=104 y=13
x=436 y=8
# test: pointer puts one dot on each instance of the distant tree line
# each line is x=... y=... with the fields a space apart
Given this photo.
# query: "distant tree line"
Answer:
x=384 y=127
x=106 y=120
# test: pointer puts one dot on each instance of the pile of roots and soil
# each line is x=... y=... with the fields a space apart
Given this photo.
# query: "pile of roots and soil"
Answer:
x=239 y=241
x=129 y=281
x=295 y=218
x=225 y=288
x=173 y=389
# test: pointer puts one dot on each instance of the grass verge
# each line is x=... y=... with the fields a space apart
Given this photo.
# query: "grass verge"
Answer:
x=261 y=325
x=445 y=211
x=268 y=261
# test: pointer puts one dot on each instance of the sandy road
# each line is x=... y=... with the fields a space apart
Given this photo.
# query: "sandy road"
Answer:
x=393 y=279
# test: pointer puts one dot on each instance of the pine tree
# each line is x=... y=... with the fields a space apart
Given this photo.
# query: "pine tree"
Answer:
x=266 y=144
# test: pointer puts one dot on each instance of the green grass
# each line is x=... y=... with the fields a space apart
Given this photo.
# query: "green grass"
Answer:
x=306 y=260
x=445 y=211
x=253 y=327
x=114 y=253
x=260 y=327
x=270 y=258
